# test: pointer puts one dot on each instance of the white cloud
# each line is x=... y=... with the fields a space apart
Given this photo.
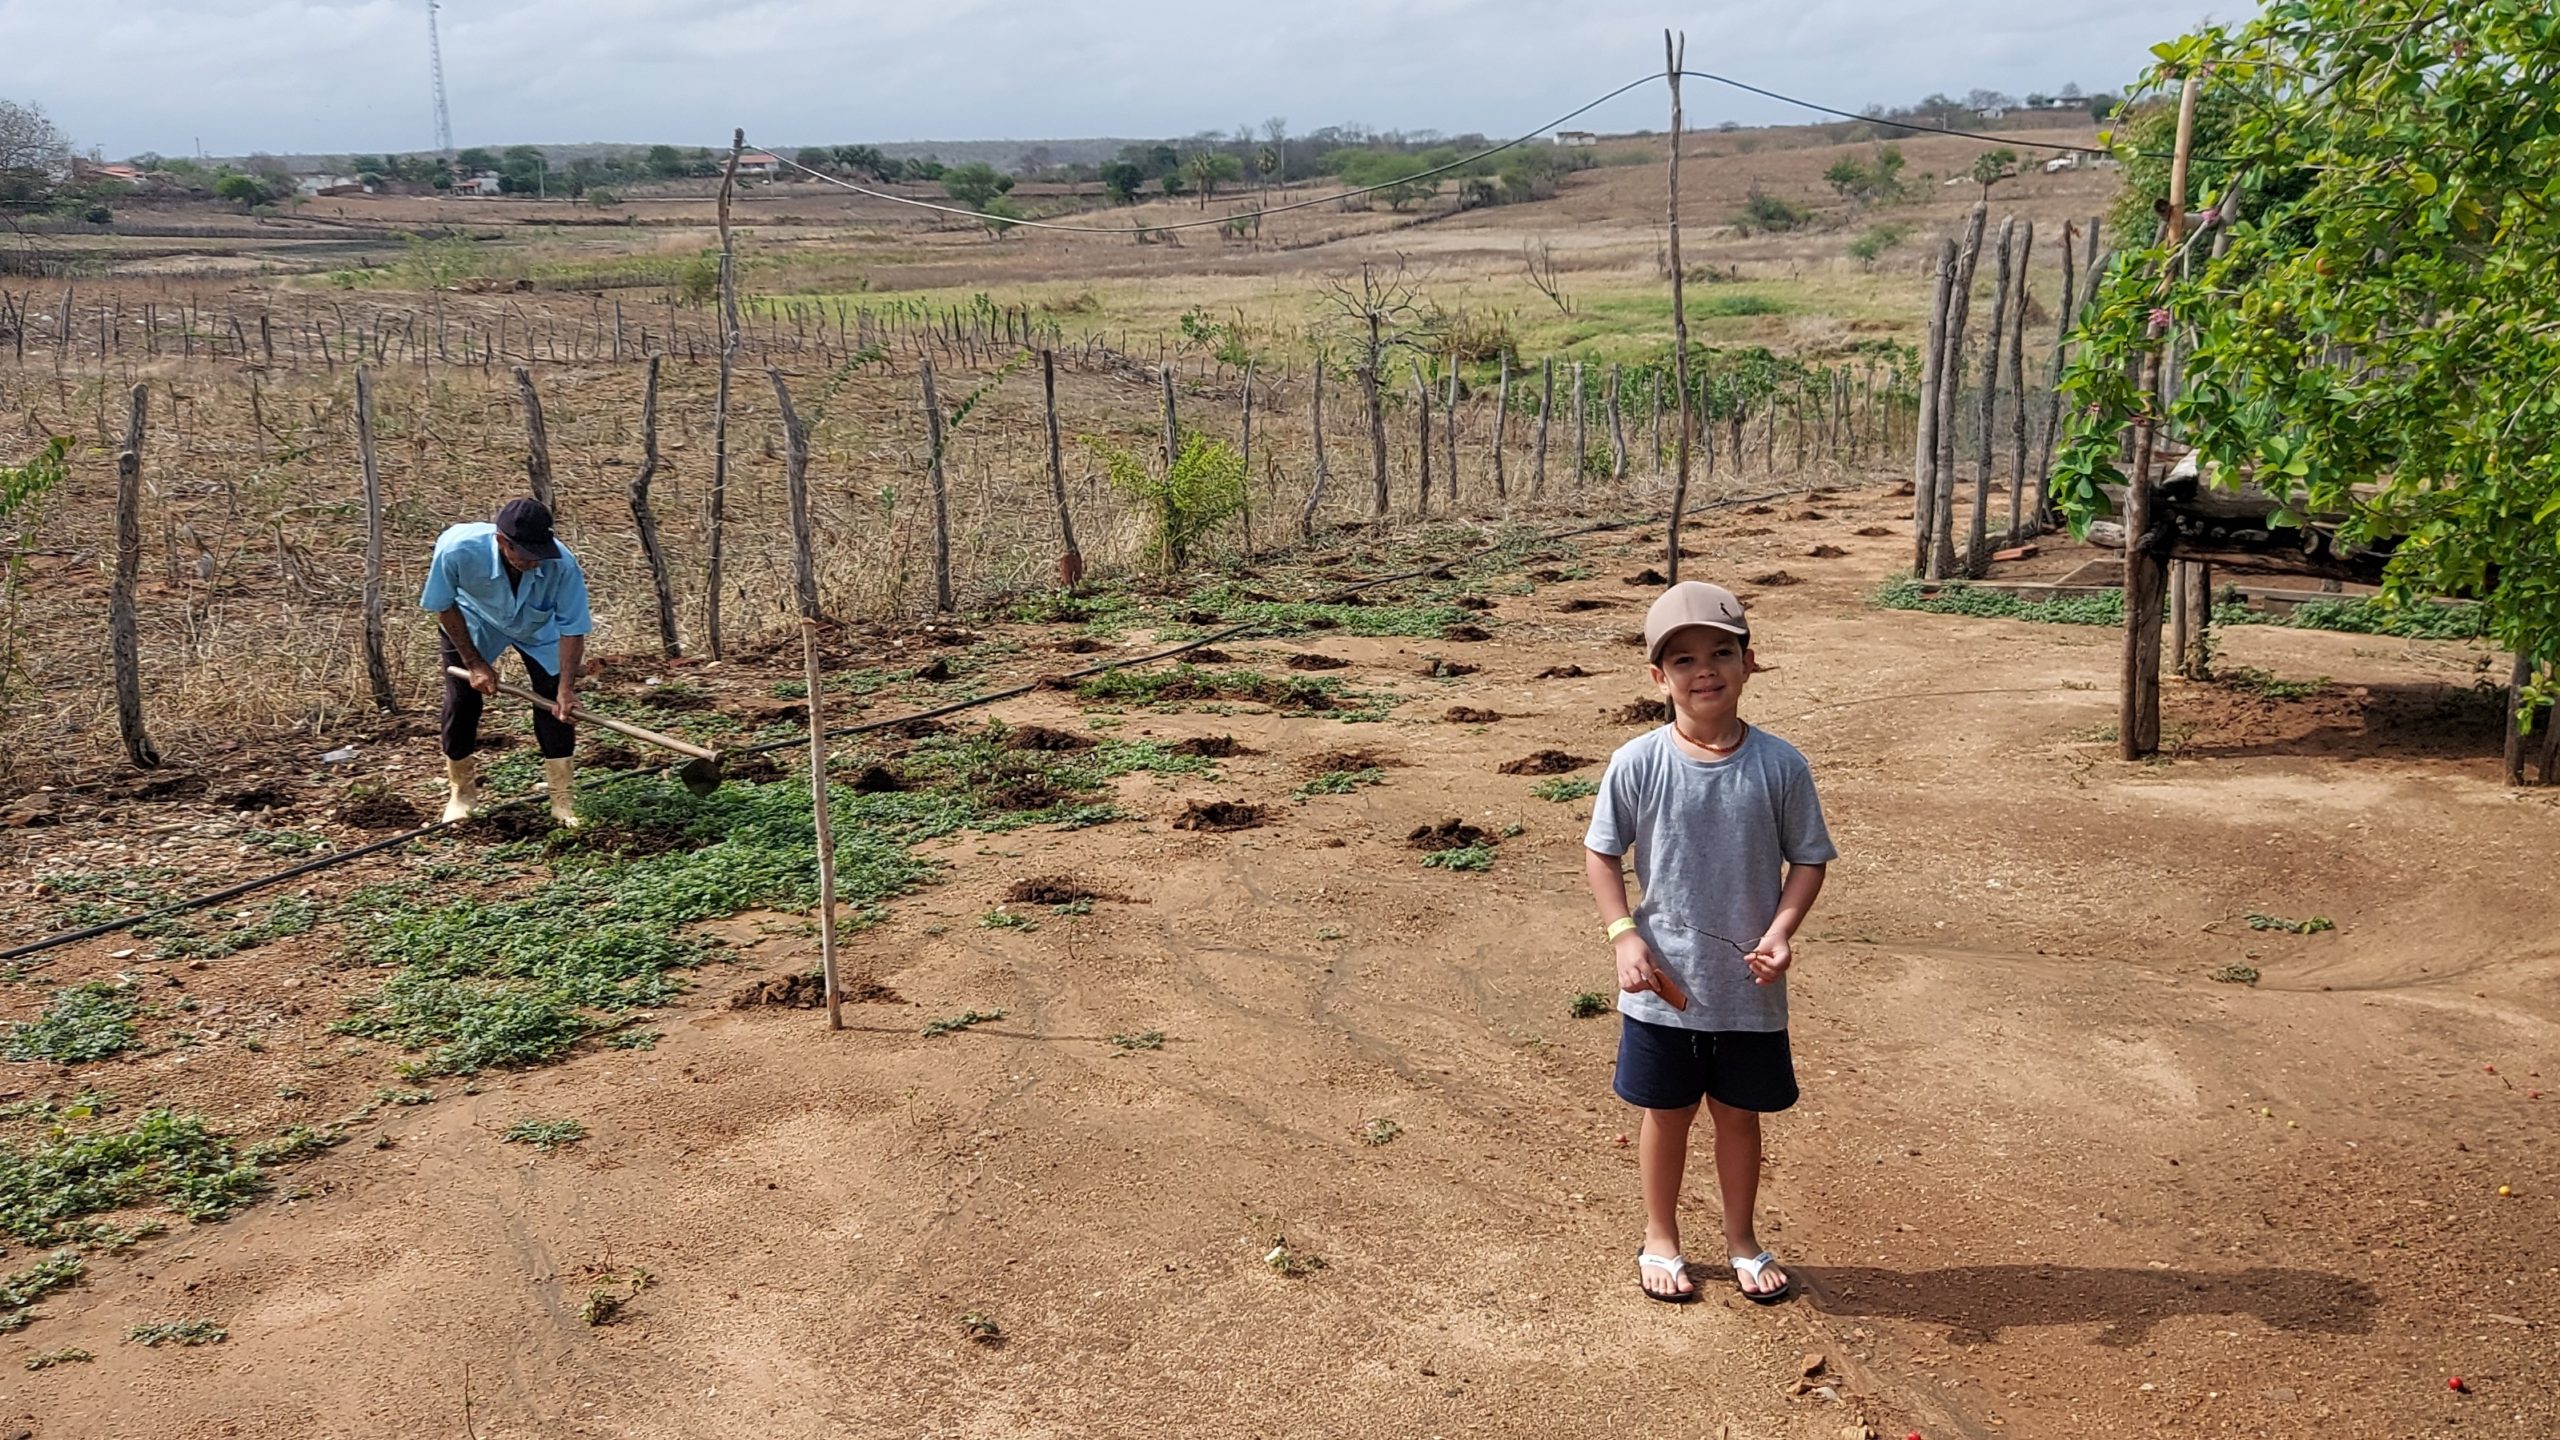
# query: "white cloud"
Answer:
x=350 y=75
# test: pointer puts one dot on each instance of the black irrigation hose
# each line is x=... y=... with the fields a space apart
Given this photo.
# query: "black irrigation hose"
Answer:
x=340 y=857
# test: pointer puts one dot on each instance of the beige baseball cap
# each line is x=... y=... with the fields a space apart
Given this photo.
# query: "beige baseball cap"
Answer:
x=1692 y=602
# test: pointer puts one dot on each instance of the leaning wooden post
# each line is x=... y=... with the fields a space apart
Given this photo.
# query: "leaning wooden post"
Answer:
x=377 y=658
x=1942 y=526
x=804 y=557
x=1315 y=421
x=1581 y=427
x=1617 y=430
x=1070 y=559
x=2053 y=396
x=1924 y=447
x=2518 y=677
x=1501 y=425
x=730 y=340
x=1172 y=429
x=1977 y=549
x=1449 y=430
x=2018 y=388
x=1546 y=407
x=942 y=597
x=121 y=634
x=646 y=520
x=1245 y=455
x=821 y=803
x=2145 y=568
x=1422 y=450
x=1674 y=51
x=537 y=455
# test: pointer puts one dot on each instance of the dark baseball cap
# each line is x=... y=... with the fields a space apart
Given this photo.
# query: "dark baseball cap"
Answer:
x=527 y=525
x=1692 y=602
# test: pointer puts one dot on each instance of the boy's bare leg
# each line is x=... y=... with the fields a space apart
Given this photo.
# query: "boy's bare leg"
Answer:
x=1662 y=1156
x=1738 y=1180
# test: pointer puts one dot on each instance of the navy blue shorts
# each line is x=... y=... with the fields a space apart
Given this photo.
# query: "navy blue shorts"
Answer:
x=1663 y=1067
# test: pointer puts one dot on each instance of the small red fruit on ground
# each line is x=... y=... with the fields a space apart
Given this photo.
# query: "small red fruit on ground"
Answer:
x=2455 y=1384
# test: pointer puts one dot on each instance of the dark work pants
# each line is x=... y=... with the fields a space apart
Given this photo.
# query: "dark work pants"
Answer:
x=461 y=714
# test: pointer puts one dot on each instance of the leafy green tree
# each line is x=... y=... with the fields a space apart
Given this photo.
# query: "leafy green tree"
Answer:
x=975 y=185
x=1170 y=182
x=1208 y=168
x=865 y=160
x=475 y=160
x=245 y=191
x=816 y=157
x=1121 y=179
x=1991 y=167
x=2375 y=334
x=665 y=161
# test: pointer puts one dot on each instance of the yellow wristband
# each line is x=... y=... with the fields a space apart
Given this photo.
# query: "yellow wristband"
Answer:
x=1621 y=926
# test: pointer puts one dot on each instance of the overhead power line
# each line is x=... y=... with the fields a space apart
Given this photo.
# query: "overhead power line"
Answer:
x=1912 y=126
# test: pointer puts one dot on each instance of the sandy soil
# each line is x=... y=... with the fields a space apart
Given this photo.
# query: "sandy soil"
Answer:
x=2047 y=1178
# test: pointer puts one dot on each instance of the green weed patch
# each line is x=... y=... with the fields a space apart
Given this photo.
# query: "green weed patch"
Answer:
x=1188 y=683
x=163 y=1159
x=88 y=1021
x=20 y=1290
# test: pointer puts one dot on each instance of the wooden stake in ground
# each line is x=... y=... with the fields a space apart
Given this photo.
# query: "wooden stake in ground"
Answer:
x=377 y=657
x=2145 y=571
x=2053 y=397
x=1422 y=449
x=942 y=596
x=730 y=340
x=2018 y=388
x=2518 y=676
x=537 y=455
x=1172 y=432
x=1924 y=449
x=821 y=806
x=795 y=439
x=1375 y=384
x=1245 y=455
x=1546 y=408
x=1617 y=430
x=1977 y=549
x=1449 y=430
x=1315 y=422
x=1581 y=428
x=1674 y=51
x=1942 y=528
x=1501 y=424
x=646 y=520
x=1070 y=559
x=122 y=637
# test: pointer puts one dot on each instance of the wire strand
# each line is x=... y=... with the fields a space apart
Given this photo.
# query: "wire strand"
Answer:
x=1228 y=219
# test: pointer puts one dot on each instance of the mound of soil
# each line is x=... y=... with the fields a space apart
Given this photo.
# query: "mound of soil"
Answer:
x=1566 y=672
x=946 y=635
x=378 y=809
x=1325 y=762
x=609 y=756
x=1578 y=605
x=1808 y=515
x=1648 y=576
x=1826 y=552
x=1080 y=645
x=770 y=710
x=1749 y=532
x=169 y=786
x=1436 y=668
x=878 y=780
x=1632 y=638
x=1447 y=835
x=1466 y=632
x=1029 y=791
x=1472 y=602
x=916 y=729
x=936 y=670
x=1210 y=655
x=1469 y=715
x=1323 y=622
x=1049 y=890
x=1758 y=510
x=514 y=822
x=1307 y=660
x=660 y=697
x=1544 y=762
x=1775 y=579
x=808 y=992
x=265 y=795
x=1213 y=747
x=1875 y=532
x=1218 y=815
x=1642 y=712
x=753 y=769
x=1546 y=577
x=1201 y=617
x=1045 y=739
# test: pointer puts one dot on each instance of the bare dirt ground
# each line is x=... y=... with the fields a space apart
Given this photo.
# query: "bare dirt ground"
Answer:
x=2048 y=1179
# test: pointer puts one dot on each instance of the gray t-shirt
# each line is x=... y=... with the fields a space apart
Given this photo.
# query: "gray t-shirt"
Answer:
x=1711 y=840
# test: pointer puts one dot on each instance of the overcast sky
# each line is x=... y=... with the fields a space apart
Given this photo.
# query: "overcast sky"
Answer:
x=339 y=76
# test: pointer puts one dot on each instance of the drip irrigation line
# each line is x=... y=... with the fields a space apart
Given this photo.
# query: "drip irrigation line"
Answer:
x=388 y=842
x=1228 y=219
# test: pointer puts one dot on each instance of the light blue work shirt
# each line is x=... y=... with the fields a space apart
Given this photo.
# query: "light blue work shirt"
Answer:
x=545 y=602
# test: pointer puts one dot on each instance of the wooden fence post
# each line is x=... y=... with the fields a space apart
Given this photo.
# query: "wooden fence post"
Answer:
x=730 y=340
x=942 y=596
x=1977 y=549
x=2145 y=572
x=1501 y=425
x=1942 y=528
x=377 y=657
x=1375 y=384
x=121 y=634
x=1422 y=451
x=804 y=557
x=1070 y=559
x=646 y=520
x=1546 y=406
x=1245 y=455
x=537 y=455
x=1674 y=51
x=1172 y=432
x=1924 y=449
x=821 y=806
x=2018 y=391
x=1581 y=427
x=2053 y=397
x=1449 y=430
x=1315 y=420
x=1617 y=429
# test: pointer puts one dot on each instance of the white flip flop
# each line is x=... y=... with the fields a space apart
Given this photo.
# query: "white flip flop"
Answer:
x=1671 y=1265
x=1754 y=1267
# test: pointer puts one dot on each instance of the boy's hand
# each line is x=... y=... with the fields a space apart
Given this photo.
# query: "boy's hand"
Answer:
x=1771 y=959
x=1639 y=973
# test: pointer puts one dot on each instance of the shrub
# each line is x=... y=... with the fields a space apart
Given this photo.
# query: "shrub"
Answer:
x=1870 y=247
x=699 y=281
x=1203 y=487
x=1768 y=213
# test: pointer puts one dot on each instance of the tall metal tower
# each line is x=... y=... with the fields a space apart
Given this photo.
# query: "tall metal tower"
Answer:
x=435 y=58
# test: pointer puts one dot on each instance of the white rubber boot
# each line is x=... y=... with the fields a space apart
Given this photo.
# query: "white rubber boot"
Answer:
x=556 y=778
x=462 y=787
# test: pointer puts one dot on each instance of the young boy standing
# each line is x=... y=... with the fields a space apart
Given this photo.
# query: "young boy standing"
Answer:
x=1729 y=848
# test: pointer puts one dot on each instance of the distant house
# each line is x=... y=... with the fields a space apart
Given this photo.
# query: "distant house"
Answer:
x=2060 y=163
x=328 y=184
x=482 y=184
x=86 y=170
x=1995 y=112
x=1576 y=139
x=759 y=162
